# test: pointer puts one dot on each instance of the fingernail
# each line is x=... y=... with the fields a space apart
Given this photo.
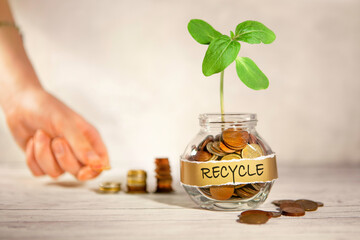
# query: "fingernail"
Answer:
x=58 y=148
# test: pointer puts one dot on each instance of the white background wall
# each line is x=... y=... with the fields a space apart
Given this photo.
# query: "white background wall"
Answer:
x=132 y=69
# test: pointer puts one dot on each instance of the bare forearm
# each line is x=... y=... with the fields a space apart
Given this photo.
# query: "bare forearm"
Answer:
x=16 y=71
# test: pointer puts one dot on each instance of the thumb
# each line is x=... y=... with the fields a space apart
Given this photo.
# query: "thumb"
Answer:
x=84 y=144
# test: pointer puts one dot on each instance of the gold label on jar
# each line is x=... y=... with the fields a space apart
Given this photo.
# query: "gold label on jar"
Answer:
x=228 y=172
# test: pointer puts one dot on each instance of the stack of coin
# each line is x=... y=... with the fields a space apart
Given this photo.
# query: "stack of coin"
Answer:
x=136 y=181
x=163 y=176
x=109 y=187
x=232 y=143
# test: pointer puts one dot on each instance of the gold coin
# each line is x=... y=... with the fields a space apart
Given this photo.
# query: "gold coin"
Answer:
x=137 y=173
x=214 y=151
x=222 y=192
x=252 y=151
x=231 y=156
x=214 y=157
x=110 y=187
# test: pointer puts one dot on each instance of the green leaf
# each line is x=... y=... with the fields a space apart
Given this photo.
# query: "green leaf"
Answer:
x=202 y=32
x=232 y=34
x=254 y=32
x=250 y=74
x=220 y=54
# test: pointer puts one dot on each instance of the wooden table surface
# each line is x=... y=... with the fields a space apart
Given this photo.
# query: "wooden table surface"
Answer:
x=44 y=209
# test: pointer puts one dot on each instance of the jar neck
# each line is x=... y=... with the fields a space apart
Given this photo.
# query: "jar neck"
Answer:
x=220 y=121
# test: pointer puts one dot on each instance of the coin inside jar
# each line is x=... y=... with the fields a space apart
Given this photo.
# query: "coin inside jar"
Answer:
x=202 y=156
x=235 y=138
x=252 y=151
x=222 y=192
x=231 y=157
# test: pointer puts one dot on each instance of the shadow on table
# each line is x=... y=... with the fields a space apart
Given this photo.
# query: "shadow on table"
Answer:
x=177 y=198
x=66 y=184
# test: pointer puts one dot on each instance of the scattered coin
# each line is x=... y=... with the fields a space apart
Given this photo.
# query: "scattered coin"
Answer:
x=222 y=192
x=293 y=211
x=308 y=205
x=320 y=204
x=254 y=217
x=290 y=204
x=287 y=208
x=278 y=202
x=276 y=214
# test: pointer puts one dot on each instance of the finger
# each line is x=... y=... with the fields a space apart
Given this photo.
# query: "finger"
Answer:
x=64 y=156
x=82 y=146
x=87 y=173
x=44 y=156
x=98 y=145
x=30 y=159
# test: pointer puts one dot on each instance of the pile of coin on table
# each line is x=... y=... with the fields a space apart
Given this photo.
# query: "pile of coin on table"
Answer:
x=231 y=144
x=136 y=180
x=293 y=208
x=163 y=176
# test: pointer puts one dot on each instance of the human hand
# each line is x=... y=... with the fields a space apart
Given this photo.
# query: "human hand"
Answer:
x=54 y=137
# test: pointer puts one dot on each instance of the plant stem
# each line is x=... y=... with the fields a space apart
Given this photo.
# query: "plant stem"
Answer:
x=222 y=94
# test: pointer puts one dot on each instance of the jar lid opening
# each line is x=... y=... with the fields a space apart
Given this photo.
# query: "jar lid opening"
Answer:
x=231 y=119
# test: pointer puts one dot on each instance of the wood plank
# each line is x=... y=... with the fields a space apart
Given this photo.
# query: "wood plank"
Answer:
x=42 y=209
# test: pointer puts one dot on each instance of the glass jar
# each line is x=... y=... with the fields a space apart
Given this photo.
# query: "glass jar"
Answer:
x=228 y=166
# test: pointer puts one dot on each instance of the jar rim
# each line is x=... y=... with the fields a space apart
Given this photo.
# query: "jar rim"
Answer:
x=235 y=119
